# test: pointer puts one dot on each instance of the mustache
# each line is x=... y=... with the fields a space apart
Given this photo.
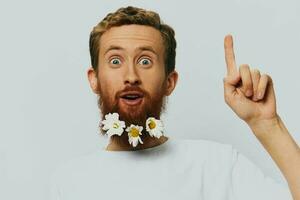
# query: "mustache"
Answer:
x=131 y=89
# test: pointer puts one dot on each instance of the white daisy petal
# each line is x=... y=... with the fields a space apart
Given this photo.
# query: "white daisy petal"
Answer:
x=141 y=129
x=122 y=124
x=109 y=133
x=135 y=142
x=115 y=116
x=154 y=127
x=108 y=116
x=134 y=133
x=113 y=125
x=141 y=140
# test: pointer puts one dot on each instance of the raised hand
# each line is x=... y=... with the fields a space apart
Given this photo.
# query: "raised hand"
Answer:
x=249 y=94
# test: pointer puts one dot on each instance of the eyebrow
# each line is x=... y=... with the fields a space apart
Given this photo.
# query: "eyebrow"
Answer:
x=147 y=48
x=113 y=47
x=142 y=48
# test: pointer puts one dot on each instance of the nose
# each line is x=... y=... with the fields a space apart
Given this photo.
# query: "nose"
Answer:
x=131 y=76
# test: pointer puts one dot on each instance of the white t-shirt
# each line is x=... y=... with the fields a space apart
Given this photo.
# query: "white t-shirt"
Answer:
x=177 y=169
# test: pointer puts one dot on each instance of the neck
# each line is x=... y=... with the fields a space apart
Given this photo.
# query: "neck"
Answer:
x=120 y=143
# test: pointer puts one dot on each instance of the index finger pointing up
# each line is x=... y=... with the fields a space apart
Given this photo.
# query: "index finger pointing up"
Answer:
x=229 y=55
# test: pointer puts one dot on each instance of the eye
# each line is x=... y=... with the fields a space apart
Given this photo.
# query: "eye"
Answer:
x=115 y=61
x=145 y=61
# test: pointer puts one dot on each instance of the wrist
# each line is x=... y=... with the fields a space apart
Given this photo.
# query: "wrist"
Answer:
x=265 y=127
x=258 y=123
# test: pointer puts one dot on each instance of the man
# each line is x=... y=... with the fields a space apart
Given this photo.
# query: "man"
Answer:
x=133 y=71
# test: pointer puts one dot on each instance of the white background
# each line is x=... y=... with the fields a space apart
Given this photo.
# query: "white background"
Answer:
x=48 y=114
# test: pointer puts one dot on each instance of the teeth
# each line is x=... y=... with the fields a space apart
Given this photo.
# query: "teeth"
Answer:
x=131 y=96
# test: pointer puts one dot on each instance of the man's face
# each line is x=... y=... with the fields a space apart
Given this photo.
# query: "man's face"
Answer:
x=131 y=76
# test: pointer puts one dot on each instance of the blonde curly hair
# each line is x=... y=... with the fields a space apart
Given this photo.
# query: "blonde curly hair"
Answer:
x=133 y=15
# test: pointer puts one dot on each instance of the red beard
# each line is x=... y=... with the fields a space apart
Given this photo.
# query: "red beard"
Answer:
x=151 y=106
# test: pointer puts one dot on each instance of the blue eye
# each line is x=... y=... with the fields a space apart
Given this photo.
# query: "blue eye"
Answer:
x=145 y=61
x=115 y=61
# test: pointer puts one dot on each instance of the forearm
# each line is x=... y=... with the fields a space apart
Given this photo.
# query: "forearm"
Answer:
x=285 y=152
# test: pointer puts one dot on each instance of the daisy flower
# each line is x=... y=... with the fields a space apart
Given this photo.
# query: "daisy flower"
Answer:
x=113 y=125
x=154 y=127
x=134 y=133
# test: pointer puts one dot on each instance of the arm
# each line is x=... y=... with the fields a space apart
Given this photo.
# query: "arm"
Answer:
x=251 y=96
x=276 y=139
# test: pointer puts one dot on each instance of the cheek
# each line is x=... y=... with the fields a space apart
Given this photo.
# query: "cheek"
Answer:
x=108 y=86
x=110 y=80
x=154 y=84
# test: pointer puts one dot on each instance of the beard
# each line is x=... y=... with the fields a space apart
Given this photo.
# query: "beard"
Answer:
x=151 y=106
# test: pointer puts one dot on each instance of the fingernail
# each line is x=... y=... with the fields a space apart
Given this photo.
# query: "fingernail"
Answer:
x=248 y=93
x=259 y=95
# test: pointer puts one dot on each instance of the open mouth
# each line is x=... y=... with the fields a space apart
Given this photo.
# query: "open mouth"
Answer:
x=132 y=98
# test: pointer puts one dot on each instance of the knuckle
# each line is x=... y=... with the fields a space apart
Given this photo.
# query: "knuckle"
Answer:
x=227 y=100
x=255 y=90
x=255 y=71
x=248 y=85
x=226 y=97
x=244 y=66
x=265 y=76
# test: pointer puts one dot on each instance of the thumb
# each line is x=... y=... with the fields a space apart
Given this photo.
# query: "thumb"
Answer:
x=270 y=93
x=230 y=83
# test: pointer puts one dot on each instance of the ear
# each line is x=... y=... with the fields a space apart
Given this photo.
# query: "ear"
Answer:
x=92 y=77
x=171 y=82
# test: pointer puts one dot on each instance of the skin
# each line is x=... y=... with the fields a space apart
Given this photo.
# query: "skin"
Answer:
x=130 y=70
x=247 y=92
x=251 y=96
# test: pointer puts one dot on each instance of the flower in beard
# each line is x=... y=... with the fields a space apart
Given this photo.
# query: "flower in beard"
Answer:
x=113 y=125
x=154 y=127
x=134 y=133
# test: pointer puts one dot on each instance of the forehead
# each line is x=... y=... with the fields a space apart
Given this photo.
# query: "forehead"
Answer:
x=132 y=37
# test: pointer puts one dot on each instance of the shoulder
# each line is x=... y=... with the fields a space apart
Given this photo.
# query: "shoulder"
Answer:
x=74 y=166
x=207 y=146
x=211 y=152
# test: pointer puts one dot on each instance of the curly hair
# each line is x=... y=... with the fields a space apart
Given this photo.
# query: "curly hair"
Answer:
x=133 y=15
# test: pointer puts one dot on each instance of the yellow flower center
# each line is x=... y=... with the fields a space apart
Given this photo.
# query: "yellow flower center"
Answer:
x=152 y=124
x=134 y=132
x=116 y=125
